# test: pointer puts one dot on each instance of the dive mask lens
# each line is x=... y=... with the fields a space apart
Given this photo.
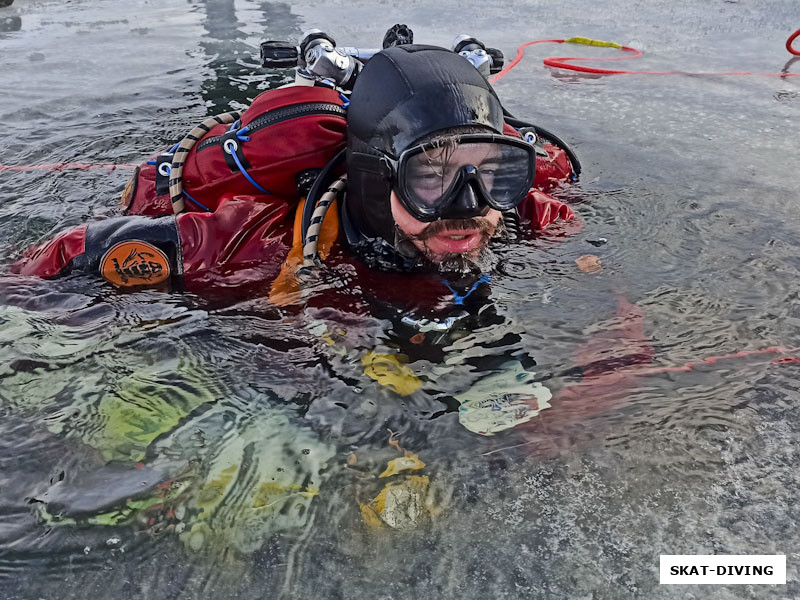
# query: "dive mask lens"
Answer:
x=431 y=176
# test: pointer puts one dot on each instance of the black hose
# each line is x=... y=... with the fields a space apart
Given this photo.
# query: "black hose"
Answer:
x=511 y=221
x=316 y=191
x=541 y=131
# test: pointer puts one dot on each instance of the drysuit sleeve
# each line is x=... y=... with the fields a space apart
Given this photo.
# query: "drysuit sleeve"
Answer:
x=127 y=251
x=242 y=243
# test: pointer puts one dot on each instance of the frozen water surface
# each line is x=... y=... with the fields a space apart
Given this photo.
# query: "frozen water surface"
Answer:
x=164 y=446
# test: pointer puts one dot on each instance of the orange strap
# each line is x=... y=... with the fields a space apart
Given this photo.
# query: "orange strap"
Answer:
x=285 y=289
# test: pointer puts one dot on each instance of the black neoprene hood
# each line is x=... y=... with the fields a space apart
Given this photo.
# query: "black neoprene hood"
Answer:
x=403 y=94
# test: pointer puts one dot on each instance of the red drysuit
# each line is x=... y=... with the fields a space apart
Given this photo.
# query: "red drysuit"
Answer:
x=237 y=235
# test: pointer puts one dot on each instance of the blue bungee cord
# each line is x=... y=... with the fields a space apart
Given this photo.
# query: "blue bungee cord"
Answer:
x=458 y=299
x=230 y=147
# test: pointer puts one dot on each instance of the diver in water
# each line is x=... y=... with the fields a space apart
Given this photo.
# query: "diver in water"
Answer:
x=432 y=173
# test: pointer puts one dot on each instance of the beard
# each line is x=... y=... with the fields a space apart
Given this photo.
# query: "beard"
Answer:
x=460 y=264
x=480 y=260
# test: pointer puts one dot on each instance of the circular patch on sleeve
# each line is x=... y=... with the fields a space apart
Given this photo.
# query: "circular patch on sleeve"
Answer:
x=134 y=263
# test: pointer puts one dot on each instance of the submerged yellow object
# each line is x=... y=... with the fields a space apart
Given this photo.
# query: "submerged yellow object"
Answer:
x=399 y=505
x=213 y=492
x=391 y=371
x=271 y=493
x=410 y=462
x=405 y=501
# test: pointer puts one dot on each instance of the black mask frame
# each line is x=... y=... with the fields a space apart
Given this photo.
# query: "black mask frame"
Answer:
x=467 y=187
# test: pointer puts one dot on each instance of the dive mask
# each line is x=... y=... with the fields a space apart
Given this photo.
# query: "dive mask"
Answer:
x=460 y=177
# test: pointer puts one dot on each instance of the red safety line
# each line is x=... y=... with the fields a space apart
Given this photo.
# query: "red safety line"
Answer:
x=791 y=39
x=563 y=62
x=712 y=360
x=65 y=166
x=520 y=55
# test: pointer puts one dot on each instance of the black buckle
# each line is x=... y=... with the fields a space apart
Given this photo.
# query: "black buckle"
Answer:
x=163 y=166
x=231 y=145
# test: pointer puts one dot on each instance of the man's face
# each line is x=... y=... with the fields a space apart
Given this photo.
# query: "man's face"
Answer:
x=449 y=241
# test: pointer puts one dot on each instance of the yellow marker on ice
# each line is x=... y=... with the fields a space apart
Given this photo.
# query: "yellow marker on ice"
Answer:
x=590 y=42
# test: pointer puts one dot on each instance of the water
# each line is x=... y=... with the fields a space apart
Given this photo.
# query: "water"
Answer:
x=257 y=441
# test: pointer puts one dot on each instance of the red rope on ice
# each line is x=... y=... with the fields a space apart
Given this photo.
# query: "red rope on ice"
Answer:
x=520 y=55
x=65 y=166
x=564 y=62
x=791 y=39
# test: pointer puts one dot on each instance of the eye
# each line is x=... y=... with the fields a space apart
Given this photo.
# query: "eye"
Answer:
x=428 y=179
